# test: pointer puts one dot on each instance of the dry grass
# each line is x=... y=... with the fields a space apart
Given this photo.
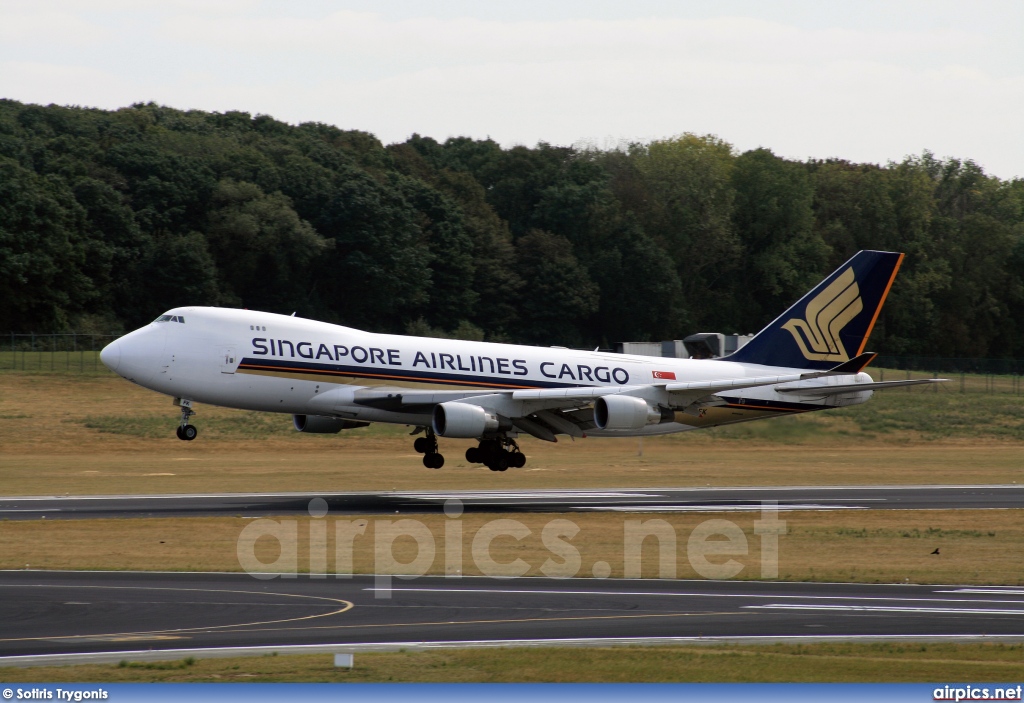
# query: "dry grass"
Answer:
x=98 y=434
x=883 y=662
x=976 y=547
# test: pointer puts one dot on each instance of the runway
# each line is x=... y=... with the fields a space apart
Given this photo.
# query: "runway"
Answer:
x=45 y=613
x=558 y=501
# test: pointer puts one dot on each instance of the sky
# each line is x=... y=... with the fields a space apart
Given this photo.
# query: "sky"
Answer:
x=866 y=81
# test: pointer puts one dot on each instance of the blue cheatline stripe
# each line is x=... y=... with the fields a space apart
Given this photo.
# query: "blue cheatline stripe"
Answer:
x=388 y=373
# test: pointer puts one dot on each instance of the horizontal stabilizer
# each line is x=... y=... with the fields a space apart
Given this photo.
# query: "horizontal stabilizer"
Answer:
x=854 y=365
x=852 y=387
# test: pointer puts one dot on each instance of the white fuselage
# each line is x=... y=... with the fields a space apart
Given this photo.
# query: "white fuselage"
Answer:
x=275 y=363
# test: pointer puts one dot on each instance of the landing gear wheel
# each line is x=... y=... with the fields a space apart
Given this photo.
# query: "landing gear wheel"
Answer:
x=488 y=451
x=499 y=463
x=186 y=431
x=473 y=455
x=517 y=460
x=427 y=446
x=433 y=460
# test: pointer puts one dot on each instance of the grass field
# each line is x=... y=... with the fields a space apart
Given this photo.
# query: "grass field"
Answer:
x=95 y=434
x=976 y=547
x=831 y=662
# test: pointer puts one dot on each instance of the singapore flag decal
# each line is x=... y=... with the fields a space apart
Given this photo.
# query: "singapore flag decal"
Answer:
x=665 y=375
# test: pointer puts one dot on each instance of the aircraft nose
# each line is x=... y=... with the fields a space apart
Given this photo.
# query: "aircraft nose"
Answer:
x=110 y=355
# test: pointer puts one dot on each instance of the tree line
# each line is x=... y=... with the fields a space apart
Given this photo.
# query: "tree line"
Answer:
x=108 y=218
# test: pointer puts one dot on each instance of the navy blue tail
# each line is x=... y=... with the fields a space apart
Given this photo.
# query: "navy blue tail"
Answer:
x=832 y=323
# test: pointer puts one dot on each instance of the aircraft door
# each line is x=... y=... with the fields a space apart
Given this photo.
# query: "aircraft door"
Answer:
x=228 y=359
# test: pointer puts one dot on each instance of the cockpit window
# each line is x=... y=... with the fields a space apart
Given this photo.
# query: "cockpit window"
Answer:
x=170 y=318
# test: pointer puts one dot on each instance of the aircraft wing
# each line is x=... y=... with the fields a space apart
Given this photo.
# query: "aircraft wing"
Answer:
x=852 y=387
x=545 y=412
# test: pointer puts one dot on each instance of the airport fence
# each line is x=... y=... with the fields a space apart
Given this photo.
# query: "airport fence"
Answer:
x=71 y=352
x=965 y=375
x=67 y=352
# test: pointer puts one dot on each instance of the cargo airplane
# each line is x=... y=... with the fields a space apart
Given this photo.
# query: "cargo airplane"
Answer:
x=331 y=378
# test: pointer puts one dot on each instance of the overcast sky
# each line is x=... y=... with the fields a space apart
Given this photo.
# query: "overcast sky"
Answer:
x=865 y=81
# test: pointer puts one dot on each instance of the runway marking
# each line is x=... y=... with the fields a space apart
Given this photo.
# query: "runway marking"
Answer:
x=887 y=609
x=527 y=494
x=999 y=591
x=125 y=638
x=641 y=507
x=511 y=591
x=348 y=605
x=498 y=621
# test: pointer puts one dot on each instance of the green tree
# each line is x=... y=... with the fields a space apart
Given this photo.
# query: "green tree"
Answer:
x=452 y=297
x=262 y=249
x=42 y=253
x=687 y=210
x=783 y=255
x=558 y=295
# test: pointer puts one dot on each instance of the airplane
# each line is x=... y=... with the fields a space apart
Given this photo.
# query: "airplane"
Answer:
x=331 y=378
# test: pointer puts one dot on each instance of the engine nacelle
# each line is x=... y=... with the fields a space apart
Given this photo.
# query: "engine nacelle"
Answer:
x=463 y=420
x=624 y=412
x=320 y=424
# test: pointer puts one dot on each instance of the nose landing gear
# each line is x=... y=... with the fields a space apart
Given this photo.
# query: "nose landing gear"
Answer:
x=497 y=455
x=186 y=431
x=427 y=446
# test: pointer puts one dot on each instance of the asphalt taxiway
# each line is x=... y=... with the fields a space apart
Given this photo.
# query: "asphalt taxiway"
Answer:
x=46 y=615
x=560 y=501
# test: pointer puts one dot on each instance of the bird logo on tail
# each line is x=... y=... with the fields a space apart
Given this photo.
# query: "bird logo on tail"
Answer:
x=826 y=316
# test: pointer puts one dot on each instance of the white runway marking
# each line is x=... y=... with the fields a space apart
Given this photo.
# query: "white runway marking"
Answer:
x=545 y=592
x=710 y=508
x=527 y=494
x=887 y=609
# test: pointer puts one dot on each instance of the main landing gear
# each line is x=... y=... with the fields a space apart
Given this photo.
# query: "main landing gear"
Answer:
x=497 y=454
x=427 y=446
x=186 y=431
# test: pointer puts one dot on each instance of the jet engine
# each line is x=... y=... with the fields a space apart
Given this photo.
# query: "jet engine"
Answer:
x=321 y=424
x=464 y=420
x=624 y=412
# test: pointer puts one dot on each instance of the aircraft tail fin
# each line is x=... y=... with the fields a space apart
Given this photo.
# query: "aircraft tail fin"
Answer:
x=831 y=324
